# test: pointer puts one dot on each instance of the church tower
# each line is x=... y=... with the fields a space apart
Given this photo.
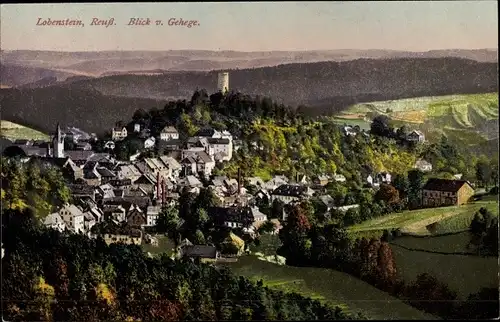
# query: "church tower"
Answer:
x=58 y=143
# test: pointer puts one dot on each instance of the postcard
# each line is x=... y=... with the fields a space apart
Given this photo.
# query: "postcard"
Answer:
x=249 y=161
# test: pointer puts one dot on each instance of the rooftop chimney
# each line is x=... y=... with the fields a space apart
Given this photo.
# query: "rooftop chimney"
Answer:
x=158 y=186
x=239 y=180
x=163 y=192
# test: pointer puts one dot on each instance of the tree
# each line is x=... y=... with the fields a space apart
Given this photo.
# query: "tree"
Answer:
x=401 y=183
x=483 y=172
x=388 y=194
x=415 y=184
x=386 y=266
x=351 y=217
x=277 y=209
x=267 y=227
x=168 y=221
x=402 y=133
x=380 y=126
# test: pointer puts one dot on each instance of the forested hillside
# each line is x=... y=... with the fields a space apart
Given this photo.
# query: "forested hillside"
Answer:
x=43 y=108
x=319 y=83
x=325 y=87
x=50 y=276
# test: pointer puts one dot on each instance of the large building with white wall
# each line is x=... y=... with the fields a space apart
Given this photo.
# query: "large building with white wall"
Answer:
x=223 y=82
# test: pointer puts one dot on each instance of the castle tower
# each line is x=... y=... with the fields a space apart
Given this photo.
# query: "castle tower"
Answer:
x=223 y=82
x=58 y=143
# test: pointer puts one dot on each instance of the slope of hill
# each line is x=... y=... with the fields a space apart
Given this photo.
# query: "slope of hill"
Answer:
x=330 y=286
x=42 y=108
x=13 y=131
x=325 y=84
x=468 y=120
x=15 y=75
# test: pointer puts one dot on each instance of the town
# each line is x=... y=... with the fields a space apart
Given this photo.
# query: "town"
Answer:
x=338 y=164
x=131 y=194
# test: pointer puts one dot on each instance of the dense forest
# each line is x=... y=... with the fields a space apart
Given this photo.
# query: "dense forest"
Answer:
x=49 y=276
x=308 y=82
x=325 y=87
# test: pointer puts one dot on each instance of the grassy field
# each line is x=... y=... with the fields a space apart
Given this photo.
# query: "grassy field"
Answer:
x=462 y=221
x=164 y=245
x=13 y=131
x=465 y=274
x=416 y=221
x=328 y=286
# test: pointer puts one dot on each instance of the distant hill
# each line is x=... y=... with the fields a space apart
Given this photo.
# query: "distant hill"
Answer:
x=95 y=104
x=111 y=62
x=89 y=110
x=331 y=85
x=15 y=75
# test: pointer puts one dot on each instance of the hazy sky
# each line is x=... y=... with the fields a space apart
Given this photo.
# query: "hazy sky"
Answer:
x=417 y=26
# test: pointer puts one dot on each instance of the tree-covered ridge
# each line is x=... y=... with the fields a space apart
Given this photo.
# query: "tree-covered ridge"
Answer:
x=47 y=275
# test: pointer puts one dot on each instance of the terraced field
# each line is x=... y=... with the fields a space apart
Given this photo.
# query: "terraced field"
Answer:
x=475 y=113
x=13 y=131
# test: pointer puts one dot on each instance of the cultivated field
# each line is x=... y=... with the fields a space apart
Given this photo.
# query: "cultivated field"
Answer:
x=464 y=119
x=13 y=131
x=416 y=221
x=463 y=110
x=329 y=286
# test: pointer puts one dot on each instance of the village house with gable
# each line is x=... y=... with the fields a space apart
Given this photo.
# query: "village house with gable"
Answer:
x=169 y=133
x=444 y=192
x=118 y=133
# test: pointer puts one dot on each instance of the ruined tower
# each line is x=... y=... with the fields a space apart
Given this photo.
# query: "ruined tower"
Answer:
x=223 y=82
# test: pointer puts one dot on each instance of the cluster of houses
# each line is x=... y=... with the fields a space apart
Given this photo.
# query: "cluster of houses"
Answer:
x=131 y=194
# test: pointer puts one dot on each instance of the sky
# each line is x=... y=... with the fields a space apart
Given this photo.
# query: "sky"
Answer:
x=257 y=26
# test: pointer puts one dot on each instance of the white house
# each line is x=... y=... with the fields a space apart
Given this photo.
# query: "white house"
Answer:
x=118 y=133
x=117 y=213
x=169 y=133
x=339 y=178
x=222 y=146
x=152 y=214
x=137 y=127
x=423 y=165
x=109 y=145
x=73 y=218
x=204 y=163
x=349 y=131
x=54 y=221
x=149 y=143
x=416 y=136
x=174 y=167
